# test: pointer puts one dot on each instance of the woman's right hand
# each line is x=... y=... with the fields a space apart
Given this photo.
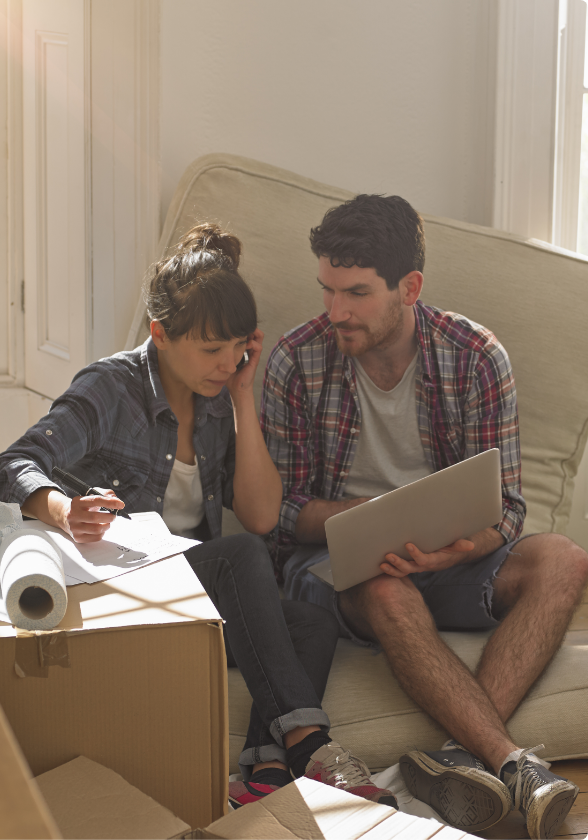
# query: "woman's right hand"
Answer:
x=84 y=521
x=80 y=518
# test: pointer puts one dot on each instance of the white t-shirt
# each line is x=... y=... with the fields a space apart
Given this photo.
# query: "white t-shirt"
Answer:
x=183 y=503
x=389 y=451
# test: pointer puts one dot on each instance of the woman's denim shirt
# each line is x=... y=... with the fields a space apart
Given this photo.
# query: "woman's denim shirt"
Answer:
x=114 y=429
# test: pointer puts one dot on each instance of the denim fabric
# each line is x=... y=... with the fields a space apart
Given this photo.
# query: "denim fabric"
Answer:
x=283 y=649
x=113 y=428
x=459 y=598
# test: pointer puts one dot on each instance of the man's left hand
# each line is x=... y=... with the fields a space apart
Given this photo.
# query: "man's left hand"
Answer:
x=450 y=555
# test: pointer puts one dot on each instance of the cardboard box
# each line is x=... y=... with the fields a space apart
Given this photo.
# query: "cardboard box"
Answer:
x=134 y=678
x=89 y=801
x=313 y=811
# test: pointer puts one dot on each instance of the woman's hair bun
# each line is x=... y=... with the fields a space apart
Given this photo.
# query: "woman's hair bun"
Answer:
x=210 y=237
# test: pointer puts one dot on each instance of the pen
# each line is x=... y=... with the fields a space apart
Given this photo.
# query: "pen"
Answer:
x=81 y=488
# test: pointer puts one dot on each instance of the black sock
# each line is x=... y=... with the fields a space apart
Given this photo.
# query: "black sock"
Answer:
x=510 y=767
x=298 y=756
x=271 y=776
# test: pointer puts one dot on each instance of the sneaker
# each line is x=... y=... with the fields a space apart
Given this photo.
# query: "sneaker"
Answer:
x=457 y=786
x=543 y=798
x=243 y=793
x=332 y=765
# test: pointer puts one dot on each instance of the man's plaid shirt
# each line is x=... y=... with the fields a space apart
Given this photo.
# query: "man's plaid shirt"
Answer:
x=311 y=417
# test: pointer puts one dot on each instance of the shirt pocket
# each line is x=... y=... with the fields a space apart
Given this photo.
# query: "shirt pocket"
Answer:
x=127 y=482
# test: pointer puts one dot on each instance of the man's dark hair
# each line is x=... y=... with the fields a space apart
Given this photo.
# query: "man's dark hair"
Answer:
x=372 y=231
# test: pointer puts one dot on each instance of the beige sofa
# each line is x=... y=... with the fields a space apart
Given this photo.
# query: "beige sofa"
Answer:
x=535 y=299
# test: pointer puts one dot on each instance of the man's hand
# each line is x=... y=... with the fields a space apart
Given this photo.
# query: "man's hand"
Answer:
x=450 y=555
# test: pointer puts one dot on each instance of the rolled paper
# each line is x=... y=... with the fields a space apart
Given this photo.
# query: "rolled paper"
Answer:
x=32 y=580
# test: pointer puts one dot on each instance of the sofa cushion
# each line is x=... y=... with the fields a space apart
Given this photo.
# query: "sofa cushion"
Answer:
x=373 y=717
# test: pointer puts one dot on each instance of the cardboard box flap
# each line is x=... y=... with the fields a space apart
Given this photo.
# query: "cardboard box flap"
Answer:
x=90 y=801
x=23 y=812
x=303 y=809
x=405 y=827
x=309 y=809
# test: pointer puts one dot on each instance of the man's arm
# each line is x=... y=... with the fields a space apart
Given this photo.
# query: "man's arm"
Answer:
x=490 y=420
x=310 y=524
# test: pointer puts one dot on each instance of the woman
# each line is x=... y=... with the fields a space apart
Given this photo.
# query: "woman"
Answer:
x=172 y=425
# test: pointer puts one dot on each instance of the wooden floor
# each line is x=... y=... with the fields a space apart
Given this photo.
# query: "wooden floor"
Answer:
x=576 y=824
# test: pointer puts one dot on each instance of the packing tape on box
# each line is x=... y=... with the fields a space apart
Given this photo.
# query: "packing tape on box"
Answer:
x=32 y=580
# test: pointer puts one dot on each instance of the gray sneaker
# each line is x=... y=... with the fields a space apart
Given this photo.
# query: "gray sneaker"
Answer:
x=543 y=798
x=457 y=786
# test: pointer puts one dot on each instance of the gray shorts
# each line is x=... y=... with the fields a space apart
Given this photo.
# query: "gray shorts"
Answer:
x=459 y=598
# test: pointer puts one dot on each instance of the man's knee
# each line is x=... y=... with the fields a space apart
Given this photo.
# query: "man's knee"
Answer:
x=394 y=596
x=539 y=561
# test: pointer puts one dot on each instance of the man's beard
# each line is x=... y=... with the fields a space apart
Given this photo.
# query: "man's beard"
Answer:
x=384 y=335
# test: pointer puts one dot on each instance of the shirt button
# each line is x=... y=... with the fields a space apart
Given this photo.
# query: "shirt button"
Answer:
x=169 y=457
x=343 y=473
x=198 y=418
x=116 y=482
x=159 y=498
x=210 y=498
x=203 y=457
x=48 y=432
x=354 y=431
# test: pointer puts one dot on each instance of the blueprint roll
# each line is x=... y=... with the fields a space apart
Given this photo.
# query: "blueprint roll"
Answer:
x=32 y=580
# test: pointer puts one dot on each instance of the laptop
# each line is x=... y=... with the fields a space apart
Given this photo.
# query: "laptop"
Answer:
x=435 y=511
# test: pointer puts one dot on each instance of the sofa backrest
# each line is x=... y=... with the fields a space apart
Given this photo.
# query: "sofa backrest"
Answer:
x=533 y=296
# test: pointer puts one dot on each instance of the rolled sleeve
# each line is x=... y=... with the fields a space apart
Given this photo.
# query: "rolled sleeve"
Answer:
x=72 y=427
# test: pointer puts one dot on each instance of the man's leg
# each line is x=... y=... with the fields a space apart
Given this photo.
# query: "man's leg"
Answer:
x=393 y=611
x=450 y=694
x=536 y=591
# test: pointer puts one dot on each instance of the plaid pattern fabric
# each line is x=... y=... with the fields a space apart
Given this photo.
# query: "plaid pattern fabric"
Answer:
x=311 y=417
x=113 y=428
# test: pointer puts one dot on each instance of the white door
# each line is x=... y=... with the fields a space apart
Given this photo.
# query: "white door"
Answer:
x=55 y=182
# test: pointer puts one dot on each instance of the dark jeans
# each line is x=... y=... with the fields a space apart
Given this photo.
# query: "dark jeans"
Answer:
x=284 y=649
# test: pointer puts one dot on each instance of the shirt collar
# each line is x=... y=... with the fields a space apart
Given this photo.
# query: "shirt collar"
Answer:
x=219 y=406
x=424 y=341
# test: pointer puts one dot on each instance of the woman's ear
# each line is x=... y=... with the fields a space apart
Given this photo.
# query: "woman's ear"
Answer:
x=158 y=335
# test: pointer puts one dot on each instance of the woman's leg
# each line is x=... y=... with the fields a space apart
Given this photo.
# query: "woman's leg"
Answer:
x=314 y=633
x=237 y=574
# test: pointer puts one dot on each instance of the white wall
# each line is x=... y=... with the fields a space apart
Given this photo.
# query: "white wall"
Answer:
x=371 y=95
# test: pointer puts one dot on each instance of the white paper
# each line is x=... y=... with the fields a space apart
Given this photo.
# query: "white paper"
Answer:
x=128 y=544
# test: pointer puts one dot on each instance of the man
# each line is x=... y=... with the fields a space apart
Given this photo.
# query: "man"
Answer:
x=379 y=391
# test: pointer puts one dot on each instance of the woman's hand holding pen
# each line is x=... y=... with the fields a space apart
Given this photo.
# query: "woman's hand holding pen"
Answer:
x=84 y=520
x=80 y=517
